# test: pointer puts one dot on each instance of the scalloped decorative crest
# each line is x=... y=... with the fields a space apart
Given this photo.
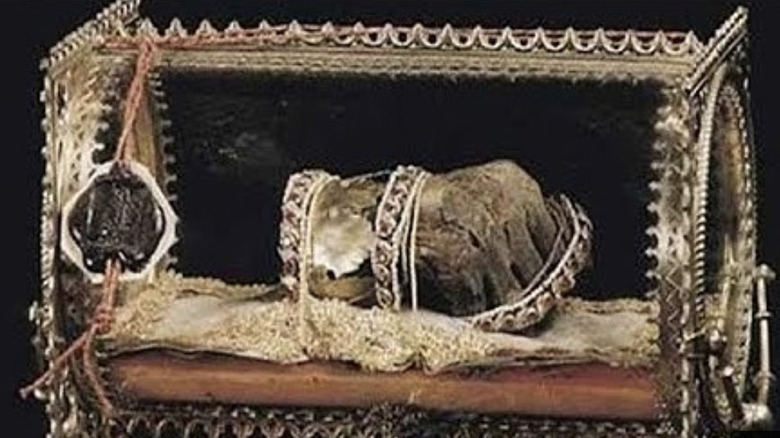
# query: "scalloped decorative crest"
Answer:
x=598 y=41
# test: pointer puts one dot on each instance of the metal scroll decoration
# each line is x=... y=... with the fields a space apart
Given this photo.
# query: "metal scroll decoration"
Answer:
x=728 y=309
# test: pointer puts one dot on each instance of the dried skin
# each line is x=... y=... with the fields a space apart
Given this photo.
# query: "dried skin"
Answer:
x=484 y=232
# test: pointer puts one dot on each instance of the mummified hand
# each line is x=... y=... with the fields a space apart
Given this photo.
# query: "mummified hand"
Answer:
x=483 y=233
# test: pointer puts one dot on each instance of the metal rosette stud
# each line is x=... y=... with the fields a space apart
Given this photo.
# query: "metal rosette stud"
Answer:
x=557 y=277
x=393 y=218
x=295 y=226
x=121 y=214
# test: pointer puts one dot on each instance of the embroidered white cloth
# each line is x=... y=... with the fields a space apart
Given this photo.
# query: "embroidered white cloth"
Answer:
x=205 y=315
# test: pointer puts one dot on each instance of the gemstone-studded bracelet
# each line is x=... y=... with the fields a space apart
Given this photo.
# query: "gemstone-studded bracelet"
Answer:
x=393 y=221
x=555 y=279
x=294 y=228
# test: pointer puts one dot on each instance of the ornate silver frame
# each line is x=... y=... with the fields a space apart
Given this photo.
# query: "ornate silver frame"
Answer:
x=79 y=87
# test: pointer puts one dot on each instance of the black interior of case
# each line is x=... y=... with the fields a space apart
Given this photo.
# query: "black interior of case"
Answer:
x=237 y=137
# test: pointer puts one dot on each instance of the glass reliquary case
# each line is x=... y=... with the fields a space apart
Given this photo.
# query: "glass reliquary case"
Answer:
x=346 y=230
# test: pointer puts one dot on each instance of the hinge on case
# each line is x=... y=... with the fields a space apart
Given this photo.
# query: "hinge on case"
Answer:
x=755 y=415
x=762 y=276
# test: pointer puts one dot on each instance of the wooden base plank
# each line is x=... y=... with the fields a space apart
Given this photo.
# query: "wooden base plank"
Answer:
x=593 y=390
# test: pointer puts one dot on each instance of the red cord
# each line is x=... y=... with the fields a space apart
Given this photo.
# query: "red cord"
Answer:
x=125 y=148
x=101 y=321
x=125 y=151
x=103 y=313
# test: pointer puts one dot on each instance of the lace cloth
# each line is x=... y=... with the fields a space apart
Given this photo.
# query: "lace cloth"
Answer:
x=206 y=315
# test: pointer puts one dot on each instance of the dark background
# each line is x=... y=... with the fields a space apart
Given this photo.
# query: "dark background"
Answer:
x=29 y=27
